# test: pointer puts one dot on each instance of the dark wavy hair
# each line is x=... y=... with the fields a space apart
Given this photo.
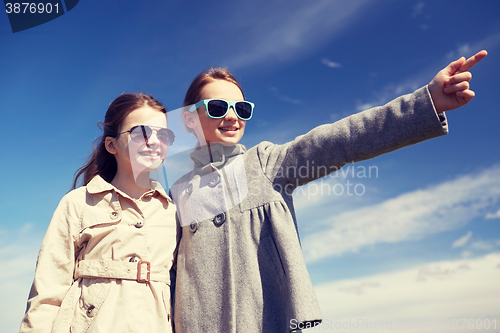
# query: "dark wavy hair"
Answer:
x=101 y=162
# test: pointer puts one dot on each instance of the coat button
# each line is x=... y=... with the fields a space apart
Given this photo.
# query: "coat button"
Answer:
x=189 y=188
x=113 y=215
x=219 y=219
x=214 y=181
x=91 y=311
x=139 y=224
x=193 y=226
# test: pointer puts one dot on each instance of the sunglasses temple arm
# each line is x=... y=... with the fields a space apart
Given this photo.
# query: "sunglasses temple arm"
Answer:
x=195 y=106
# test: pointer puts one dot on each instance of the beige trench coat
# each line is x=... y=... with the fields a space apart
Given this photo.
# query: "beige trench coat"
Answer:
x=97 y=242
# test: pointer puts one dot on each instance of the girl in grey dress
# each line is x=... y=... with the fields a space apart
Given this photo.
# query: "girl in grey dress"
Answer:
x=240 y=267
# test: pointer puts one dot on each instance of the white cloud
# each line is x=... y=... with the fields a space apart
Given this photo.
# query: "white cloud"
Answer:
x=392 y=91
x=425 y=75
x=18 y=254
x=467 y=254
x=466 y=288
x=360 y=288
x=462 y=240
x=424 y=27
x=462 y=50
x=418 y=9
x=330 y=64
x=284 y=98
x=485 y=245
x=495 y=215
x=415 y=215
x=467 y=50
x=300 y=27
x=366 y=106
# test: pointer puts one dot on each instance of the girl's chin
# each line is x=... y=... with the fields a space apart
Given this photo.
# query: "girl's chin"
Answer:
x=146 y=164
x=228 y=141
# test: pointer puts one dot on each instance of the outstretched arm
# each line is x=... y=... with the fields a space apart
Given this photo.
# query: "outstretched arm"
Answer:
x=450 y=87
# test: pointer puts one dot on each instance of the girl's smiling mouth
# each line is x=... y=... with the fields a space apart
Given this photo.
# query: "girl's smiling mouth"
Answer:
x=229 y=128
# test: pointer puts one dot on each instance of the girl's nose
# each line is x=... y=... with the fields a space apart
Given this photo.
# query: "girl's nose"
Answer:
x=153 y=140
x=231 y=115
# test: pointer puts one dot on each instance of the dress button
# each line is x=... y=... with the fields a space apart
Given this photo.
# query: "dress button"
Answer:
x=219 y=219
x=139 y=224
x=193 y=226
x=214 y=181
x=189 y=189
x=114 y=215
x=91 y=311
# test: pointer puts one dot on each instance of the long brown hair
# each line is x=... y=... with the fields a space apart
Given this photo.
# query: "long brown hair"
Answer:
x=204 y=78
x=101 y=162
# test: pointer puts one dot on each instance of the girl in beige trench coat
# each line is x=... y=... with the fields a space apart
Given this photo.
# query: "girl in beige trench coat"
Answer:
x=240 y=267
x=104 y=262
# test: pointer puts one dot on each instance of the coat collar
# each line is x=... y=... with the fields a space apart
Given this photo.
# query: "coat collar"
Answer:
x=216 y=154
x=99 y=185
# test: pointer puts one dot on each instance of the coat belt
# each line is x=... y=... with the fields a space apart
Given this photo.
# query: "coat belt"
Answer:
x=140 y=271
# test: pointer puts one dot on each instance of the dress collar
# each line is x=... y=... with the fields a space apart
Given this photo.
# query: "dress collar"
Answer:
x=216 y=154
x=99 y=185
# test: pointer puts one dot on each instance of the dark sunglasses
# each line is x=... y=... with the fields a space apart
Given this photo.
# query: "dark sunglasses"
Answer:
x=142 y=133
x=218 y=108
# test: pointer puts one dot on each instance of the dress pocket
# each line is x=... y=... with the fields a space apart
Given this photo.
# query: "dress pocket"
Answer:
x=269 y=259
x=105 y=211
x=167 y=302
x=93 y=295
x=67 y=309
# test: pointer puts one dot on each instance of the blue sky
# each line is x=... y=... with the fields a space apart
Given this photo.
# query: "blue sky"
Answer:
x=421 y=243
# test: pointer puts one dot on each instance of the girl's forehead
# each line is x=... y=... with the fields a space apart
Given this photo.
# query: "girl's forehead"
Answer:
x=147 y=116
x=160 y=120
x=221 y=89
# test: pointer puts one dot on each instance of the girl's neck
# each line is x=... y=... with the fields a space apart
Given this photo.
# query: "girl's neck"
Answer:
x=134 y=188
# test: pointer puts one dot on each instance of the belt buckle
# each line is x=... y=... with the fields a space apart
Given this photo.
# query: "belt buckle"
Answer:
x=148 y=267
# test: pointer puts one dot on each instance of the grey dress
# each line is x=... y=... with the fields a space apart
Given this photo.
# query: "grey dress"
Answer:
x=240 y=267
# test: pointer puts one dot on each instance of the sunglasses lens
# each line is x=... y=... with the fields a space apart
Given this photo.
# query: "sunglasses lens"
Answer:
x=217 y=108
x=244 y=110
x=166 y=136
x=140 y=133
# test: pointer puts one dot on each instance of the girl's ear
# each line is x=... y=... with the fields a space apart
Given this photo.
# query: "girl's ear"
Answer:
x=109 y=143
x=190 y=119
